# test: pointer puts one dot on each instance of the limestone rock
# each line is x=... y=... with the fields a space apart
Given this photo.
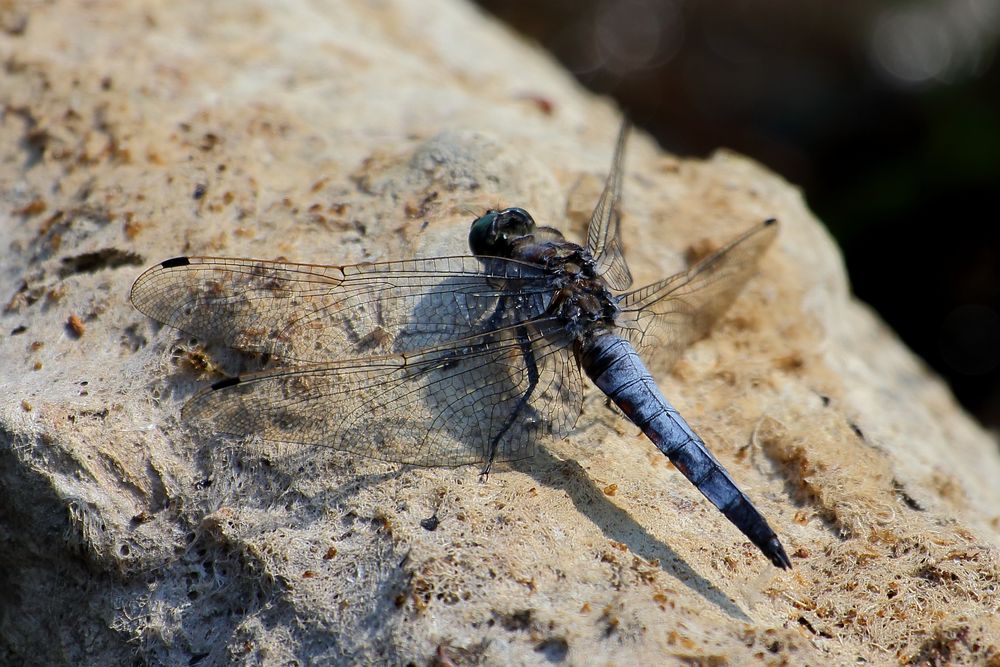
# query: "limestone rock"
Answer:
x=347 y=132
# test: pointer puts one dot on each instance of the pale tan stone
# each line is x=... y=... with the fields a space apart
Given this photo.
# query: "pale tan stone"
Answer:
x=344 y=132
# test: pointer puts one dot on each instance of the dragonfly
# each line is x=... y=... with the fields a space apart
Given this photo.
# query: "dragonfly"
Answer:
x=458 y=360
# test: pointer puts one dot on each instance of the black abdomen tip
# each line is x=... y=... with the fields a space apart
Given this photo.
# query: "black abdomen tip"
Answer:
x=777 y=554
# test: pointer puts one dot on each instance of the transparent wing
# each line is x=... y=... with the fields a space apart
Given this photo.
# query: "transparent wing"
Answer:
x=667 y=316
x=480 y=399
x=603 y=232
x=314 y=313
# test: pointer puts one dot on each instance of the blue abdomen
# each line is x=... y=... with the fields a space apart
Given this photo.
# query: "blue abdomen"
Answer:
x=615 y=367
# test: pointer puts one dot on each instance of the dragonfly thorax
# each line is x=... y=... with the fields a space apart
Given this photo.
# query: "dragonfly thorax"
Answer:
x=581 y=298
x=584 y=306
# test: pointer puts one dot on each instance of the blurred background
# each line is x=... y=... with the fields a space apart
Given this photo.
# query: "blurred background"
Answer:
x=886 y=114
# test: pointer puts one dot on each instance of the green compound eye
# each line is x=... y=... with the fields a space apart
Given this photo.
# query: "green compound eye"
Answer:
x=482 y=236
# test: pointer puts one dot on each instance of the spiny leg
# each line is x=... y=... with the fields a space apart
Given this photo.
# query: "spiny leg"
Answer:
x=524 y=343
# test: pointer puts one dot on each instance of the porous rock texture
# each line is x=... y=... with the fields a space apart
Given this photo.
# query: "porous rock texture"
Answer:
x=339 y=132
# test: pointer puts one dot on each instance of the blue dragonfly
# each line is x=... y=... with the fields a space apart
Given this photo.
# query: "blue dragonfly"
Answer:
x=447 y=361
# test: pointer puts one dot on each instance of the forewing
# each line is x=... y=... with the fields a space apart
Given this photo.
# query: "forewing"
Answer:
x=311 y=313
x=603 y=232
x=664 y=318
x=441 y=406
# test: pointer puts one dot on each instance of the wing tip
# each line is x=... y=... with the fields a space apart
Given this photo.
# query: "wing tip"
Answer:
x=227 y=382
x=770 y=221
x=175 y=262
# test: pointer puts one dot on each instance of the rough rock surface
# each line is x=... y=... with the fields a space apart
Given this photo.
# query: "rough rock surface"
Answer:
x=348 y=131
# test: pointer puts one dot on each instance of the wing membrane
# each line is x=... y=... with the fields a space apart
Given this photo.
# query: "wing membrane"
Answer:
x=311 y=313
x=445 y=405
x=603 y=232
x=665 y=317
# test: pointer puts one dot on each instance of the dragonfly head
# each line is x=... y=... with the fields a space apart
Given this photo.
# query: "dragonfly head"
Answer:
x=493 y=233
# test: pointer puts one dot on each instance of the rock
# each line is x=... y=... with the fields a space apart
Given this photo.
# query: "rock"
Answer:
x=348 y=132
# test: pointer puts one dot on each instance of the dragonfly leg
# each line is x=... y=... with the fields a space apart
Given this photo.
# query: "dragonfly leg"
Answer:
x=524 y=343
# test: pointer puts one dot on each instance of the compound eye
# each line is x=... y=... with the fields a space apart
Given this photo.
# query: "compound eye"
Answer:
x=483 y=234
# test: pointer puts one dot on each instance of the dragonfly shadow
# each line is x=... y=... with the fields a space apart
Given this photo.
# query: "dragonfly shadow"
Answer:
x=271 y=475
x=617 y=525
x=274 y=477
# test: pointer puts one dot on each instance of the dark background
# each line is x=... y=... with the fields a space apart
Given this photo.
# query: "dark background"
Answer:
x=886 y=114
